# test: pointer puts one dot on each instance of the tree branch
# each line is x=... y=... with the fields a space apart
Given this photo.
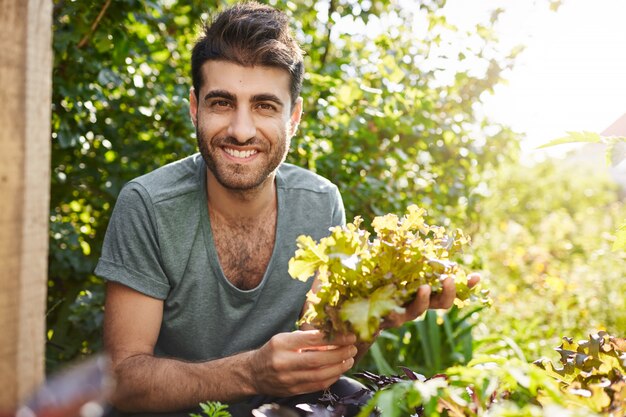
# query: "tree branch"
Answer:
x=94 y=25
x=332 y=6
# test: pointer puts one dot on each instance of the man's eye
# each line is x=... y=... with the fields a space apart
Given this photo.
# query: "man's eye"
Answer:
x=220 y=104
x=266 y=106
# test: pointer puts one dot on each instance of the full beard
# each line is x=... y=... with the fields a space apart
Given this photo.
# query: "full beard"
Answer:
x=240 y=177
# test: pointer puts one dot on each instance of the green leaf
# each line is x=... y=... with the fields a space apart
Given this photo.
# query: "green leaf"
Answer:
x=388 y=404
x=308 y=258
x=574 y=137
x=365 y=314
x=379 y=358
x=213 y=409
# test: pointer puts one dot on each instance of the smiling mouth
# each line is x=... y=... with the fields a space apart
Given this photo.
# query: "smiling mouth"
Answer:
x=235 y=153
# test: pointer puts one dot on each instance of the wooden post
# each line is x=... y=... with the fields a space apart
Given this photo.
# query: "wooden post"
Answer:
x=25 y=97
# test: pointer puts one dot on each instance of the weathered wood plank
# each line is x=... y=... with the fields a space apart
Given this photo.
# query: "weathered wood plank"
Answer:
x=25 y=94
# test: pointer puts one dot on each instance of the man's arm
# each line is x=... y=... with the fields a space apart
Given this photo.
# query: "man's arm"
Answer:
x=288 y=364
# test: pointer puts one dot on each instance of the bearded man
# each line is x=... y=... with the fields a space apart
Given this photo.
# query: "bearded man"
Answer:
x=199 y=304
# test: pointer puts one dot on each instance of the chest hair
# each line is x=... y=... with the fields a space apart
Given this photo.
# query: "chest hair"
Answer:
x=244 y=249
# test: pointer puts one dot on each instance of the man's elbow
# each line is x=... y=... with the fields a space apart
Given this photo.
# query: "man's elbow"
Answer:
x=131 y=387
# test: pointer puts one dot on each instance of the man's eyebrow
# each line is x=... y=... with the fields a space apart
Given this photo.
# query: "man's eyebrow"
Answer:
x=267 y=97
x=220 y=94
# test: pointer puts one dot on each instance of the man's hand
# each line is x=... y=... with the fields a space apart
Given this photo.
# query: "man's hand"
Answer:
x=301 y=362
x=425 y=300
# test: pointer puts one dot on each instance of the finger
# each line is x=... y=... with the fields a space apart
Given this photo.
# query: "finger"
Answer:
x=342 y=339
x=311 y=359
x=293 y=363
x=323 y=374
x=314 y=386
x=411 y=311
x=298 y=381
x=307 y=326
x=445 y=298
x=393 y=319
x=315 y=338
x=473 y=279
x=300 y=339
x=420 y=304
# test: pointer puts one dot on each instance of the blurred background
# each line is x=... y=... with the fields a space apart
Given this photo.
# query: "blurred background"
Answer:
x=437 y=103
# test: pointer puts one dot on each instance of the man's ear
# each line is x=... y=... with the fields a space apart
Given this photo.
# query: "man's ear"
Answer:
x=193 y=107
x=296 y=115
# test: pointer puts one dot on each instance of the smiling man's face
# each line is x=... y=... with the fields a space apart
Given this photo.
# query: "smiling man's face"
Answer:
x=244 y=122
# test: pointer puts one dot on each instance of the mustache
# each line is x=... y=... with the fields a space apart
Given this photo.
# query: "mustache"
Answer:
x=226 y=140
x=231 y=141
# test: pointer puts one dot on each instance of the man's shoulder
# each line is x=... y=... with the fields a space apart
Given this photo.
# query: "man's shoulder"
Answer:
x=295 y=177
x=172 y=180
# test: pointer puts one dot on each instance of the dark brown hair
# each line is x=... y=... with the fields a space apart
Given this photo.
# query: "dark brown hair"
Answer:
x=249 y=34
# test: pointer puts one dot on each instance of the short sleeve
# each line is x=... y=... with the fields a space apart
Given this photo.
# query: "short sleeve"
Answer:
x=130 y=252
x=338 y=211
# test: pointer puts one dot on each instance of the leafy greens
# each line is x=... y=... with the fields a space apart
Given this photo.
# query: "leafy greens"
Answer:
x=362 y=280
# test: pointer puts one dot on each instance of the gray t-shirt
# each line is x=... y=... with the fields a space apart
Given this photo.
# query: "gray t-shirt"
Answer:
x=159 y=242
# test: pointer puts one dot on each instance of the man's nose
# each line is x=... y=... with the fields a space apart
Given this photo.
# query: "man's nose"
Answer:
x=242 y=125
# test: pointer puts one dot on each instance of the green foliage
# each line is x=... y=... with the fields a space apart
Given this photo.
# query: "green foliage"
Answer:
x=511 y=386
x=595 y=370
x=212 y=409
x=428 y=345
x=118 y=110
x=360 y=281
x=590 y=383
x=548 y=261
x=615 y=154
x=388 y=120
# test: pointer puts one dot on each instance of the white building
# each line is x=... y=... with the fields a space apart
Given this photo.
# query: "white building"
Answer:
x=594 y=155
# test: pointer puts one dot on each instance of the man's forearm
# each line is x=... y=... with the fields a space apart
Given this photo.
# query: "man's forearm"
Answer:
x=147 y=383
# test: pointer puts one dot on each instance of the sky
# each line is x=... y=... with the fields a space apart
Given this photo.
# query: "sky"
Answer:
x=572 y=74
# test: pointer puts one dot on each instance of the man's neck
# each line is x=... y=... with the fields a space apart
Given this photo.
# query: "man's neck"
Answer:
x=238 y=205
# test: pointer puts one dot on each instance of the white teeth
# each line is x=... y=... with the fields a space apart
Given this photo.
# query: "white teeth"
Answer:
x=240 y=154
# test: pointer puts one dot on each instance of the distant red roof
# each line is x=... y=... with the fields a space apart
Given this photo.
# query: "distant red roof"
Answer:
x=618 y=128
